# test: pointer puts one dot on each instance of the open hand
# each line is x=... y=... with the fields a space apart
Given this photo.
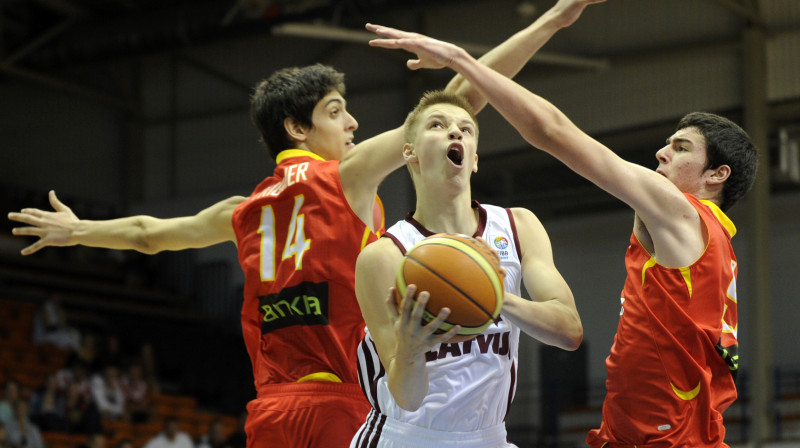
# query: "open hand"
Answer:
x=413 y=337
x=431 y=53
x=53 y=228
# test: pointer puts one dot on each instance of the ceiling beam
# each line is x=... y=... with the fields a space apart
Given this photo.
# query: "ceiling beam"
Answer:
x=39 y=41
x=340 y=34
x=66 y=86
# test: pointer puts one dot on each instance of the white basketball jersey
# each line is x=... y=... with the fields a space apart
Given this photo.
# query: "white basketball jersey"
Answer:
x=472 y=383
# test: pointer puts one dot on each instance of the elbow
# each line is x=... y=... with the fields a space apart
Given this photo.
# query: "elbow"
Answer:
x=575 y=339
x=142 y=239
x=546 y=131
x=575 y=336
x=406 y=403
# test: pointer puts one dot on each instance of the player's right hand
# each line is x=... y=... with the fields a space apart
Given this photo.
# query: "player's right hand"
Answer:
x=53 y=228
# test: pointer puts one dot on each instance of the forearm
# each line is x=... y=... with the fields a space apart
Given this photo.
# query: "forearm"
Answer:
x=408 y=382
x=509 y=57
x=551 y=322
x=130 y=233
x=535 y=118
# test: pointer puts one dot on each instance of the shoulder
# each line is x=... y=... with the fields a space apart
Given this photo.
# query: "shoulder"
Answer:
x=381 y=250
x=533 y=238
x=526 y=221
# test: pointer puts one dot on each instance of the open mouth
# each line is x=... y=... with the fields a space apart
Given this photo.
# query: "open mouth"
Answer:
x=455 y=153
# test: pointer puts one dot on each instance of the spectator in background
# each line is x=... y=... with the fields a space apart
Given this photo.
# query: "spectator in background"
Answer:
x=80 y=409
x=216 y=437
x=21 y=431
x=10 y=396
x=107 y=393
x=135 y=389
x=50 y=325
x=48 y=405
x=171 y=437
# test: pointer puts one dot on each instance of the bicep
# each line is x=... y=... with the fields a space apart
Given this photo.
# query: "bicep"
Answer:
x=208 y=227
x=364 y=168
x=542 y=279
x=651 y=195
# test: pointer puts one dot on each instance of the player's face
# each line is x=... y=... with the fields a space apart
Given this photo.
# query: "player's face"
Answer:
x=331 y=133
x=446 y=142
x=683 y=160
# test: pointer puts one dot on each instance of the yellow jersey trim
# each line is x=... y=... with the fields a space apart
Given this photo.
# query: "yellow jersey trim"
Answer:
x=687 y=278
x=721 y=216
x=286 y=153
x=686 y=394
x=320 y=376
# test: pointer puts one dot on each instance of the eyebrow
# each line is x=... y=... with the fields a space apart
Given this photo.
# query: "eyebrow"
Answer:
x=439 y=116
x=335 y=100
x=679 y=140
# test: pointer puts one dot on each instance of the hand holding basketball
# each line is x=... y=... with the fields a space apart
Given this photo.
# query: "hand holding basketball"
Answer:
x=460 y=273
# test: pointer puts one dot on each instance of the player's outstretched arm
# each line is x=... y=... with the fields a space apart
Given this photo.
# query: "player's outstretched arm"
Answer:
x=364 y=168
x=146 y=234
x=551 y=317
x=668 y=215
x=399 y=337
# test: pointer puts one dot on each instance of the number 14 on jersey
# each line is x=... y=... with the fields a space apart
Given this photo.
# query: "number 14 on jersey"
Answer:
x=296 y=243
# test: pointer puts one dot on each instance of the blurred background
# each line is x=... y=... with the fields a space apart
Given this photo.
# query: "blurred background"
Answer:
x=142 y=107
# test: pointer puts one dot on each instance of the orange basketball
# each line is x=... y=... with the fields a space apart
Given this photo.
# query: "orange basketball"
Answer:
x=460 y=273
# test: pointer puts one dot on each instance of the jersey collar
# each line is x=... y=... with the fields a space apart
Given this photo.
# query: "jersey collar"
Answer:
x=721 y=216
x=287 y=153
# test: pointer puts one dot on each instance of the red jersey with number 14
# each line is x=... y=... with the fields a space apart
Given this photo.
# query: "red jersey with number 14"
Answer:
x=298 y=240
x=671 y=368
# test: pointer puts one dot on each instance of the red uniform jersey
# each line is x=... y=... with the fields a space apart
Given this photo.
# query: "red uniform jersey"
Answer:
x=298 y=240
x=672 y=367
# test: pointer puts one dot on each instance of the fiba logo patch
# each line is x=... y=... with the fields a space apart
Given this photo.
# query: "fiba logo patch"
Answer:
x=501 y=244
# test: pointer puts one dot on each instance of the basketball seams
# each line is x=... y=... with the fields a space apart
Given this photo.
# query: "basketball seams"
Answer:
x=454 y=287
x=481 y=258
x=479 y=255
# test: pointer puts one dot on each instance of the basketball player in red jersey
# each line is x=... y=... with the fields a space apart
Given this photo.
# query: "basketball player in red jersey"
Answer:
x=672 y=366
x=300 y=318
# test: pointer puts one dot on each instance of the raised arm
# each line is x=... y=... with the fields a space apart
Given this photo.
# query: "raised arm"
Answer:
x=146 y=234
x=365 y=167
x=551 y=317
x=399 y=337
x=670 y=219
x=509 y=57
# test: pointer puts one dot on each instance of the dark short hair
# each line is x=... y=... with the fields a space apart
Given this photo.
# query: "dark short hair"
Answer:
x=432 y=98
x=290 y=93
x=726 y=144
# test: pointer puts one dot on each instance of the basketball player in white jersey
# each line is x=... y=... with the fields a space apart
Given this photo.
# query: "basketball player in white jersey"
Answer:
x=430 y=389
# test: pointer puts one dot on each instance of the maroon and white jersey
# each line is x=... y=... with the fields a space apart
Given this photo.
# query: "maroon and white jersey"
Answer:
x=472 y=383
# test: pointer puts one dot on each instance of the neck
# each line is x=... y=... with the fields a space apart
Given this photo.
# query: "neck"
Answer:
x=447 y=214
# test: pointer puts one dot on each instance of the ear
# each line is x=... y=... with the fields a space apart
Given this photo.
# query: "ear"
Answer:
x=475 y=165
x=719 y=174
x=295 y=130
x=409 y=155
